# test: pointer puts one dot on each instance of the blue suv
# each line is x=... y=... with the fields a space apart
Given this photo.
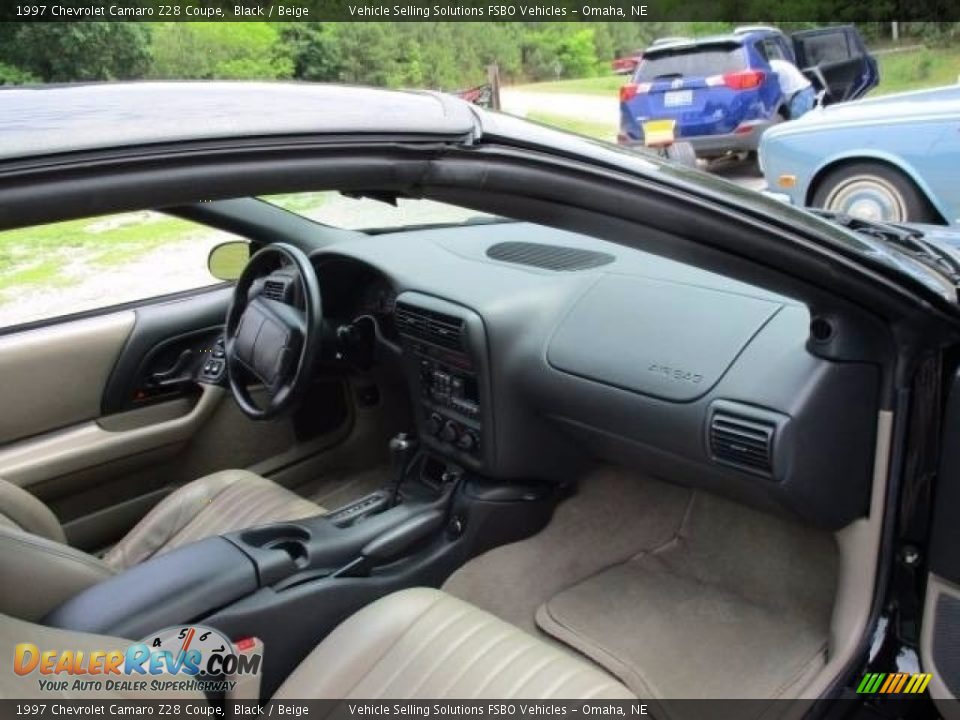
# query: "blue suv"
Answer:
x=719 y=93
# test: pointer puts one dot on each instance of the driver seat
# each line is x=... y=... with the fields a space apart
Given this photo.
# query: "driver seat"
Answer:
x=41 y=571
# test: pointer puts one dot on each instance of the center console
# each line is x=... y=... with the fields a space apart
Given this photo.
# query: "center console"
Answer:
x=445 y=351
x=290 y=583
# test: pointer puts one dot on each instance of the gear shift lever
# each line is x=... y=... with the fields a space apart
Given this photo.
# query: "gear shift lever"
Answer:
x=403 y=448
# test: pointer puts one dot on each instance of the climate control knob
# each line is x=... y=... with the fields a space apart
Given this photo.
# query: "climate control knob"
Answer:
x=450 y=432
x=434 y=424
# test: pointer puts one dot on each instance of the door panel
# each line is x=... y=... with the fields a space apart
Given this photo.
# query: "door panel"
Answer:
x=162 y=334
x=54 y=376
x=835 y=60
x=32 y=462
x=92 y=437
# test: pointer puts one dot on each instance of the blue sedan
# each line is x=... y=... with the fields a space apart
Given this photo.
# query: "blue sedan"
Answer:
x=891 y=159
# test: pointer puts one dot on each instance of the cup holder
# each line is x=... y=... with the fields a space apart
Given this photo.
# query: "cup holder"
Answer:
x=289 y=539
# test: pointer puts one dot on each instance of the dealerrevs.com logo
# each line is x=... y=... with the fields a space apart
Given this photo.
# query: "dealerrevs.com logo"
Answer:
x=175 y=659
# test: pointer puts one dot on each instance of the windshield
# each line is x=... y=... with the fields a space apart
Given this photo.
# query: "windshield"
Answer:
x=349 y=213
x=701 y=61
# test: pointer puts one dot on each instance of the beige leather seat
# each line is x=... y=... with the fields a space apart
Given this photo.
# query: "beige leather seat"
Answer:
x=40 y=570
x=414 y=644
x=423 y=643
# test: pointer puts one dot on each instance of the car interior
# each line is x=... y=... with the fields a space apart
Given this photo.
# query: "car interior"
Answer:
x=538 y=454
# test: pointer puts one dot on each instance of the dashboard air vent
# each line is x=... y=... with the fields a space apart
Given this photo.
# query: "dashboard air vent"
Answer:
x=274 y=290
x=745 y=442
x=434 y=327
x=549 y=257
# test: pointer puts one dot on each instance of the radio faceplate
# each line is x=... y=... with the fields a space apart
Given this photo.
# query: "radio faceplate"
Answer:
x=451 y=395
x=445 y=353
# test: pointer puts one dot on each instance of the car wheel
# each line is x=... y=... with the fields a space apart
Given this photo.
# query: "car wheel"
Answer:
x=753 y=157
x=682 y=153
x=752 y=164
x=873 y=192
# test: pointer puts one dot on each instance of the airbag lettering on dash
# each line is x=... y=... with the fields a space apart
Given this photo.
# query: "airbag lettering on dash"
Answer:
x=675 y=373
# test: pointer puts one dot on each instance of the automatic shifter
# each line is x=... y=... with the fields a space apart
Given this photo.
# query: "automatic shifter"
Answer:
x=403 y=448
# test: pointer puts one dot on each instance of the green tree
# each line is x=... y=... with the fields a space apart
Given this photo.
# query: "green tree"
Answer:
x=369 y=53
x=64 y=52
x=220 y=50
x=314 y=49
x=559 y=50
x=10 y=75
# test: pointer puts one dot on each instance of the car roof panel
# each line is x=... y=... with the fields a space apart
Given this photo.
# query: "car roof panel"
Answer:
x=45 y=120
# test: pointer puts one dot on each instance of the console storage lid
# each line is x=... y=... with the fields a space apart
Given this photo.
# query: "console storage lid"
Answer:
x=176 y=587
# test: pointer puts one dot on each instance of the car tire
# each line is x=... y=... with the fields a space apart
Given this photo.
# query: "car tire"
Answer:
x=682 y=153
x=873 y=191
x=753 y=157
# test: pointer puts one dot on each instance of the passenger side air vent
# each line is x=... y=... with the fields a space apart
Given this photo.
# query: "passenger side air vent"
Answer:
x=434 y=327
x=549 y=257
x=742 y=440
x=275 y=290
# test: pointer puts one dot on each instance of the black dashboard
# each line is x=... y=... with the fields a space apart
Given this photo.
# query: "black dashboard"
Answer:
x=531 y=352
x=351 y=289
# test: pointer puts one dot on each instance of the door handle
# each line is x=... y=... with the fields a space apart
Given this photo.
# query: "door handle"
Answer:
x=176 y=374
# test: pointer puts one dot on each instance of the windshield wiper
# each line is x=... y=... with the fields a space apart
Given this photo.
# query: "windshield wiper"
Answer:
x=664 y=76
x=904 y=239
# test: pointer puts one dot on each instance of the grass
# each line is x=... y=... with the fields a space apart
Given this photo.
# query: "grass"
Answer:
x=41 y=273
x=600 y=131
x=43 y=255
x=917 y=69
x=604 y=85
x=61 y=254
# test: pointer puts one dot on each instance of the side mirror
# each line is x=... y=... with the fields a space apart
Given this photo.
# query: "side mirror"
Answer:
x=227 y=260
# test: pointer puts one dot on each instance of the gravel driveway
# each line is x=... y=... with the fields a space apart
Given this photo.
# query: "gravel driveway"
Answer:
x=594 y=108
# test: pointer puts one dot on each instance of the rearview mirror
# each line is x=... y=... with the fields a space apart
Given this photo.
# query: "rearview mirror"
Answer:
x=227 y=260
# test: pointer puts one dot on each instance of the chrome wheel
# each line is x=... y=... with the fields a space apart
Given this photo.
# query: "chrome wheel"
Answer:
x=868 y=197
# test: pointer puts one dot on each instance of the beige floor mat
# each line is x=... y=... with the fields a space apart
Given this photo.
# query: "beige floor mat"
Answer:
x=737 y=605
x=680 y=594
x=613 y=516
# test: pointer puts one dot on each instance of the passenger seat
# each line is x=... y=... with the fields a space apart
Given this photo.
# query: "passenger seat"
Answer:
x=413 y=644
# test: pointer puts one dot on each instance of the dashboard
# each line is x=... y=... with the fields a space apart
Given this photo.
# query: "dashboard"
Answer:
x=533 y=352
x=351 y=289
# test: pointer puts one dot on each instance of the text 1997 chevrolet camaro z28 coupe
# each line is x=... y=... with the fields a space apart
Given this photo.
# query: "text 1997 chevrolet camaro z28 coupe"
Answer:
x=607 y=429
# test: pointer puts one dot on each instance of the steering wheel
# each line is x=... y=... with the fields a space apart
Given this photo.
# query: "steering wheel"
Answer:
x=269 y=341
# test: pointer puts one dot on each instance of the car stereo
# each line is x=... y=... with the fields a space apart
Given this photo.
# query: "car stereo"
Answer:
x=445 y=349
